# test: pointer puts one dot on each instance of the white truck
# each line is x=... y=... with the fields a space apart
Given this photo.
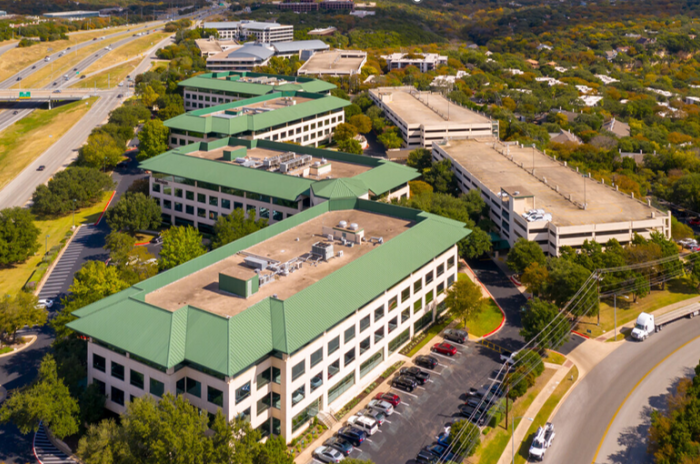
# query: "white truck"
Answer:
x=542 y=441
x=647 y=324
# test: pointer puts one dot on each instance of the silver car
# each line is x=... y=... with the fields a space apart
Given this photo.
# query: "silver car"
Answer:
x=328 y=454
x=382 y=406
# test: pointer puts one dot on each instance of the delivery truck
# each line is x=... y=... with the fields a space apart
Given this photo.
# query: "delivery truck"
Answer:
x=647 y=324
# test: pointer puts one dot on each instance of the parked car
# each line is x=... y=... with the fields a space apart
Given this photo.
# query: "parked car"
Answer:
x=328 y=454
x=45 y=303
x=368 y=425
x=341 y=444
x=390 y=398
x=41 y=168
x=426 y=457
x=694 y=221
x=429 y=362
x=404 y=382
x=57 y=91
x=421 y=376
x=157 y=240
x=443 y=438
x=482 y=393
x=353 y=435
x=440 y=451
x=445 y=348
x=375 y=414
x=456 y=335
x=382 y=406
x=470 y=413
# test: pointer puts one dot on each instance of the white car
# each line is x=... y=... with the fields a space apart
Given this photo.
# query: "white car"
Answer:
x=328 y=454
x=45 y=303
x=382 y=406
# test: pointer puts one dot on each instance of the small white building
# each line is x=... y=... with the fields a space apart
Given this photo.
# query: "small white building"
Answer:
x=423 y=61
x=252 y=30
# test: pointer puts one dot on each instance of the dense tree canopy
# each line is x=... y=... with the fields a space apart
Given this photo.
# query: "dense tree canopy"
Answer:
x=75 y=187
x=180 y=244
x=18 y=236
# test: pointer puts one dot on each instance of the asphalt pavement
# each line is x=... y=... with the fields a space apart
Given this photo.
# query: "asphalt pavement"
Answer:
x=583 y=418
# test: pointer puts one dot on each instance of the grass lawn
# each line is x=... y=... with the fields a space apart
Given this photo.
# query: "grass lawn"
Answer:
x=554 y=357
x=543 y=416
x=24 y=141
x=19 y=58
x=12 y=279
x=109 y=78
x=495 y=442
x=141 y=237
x=127 y=51
x=487 y=321
x=676 y=290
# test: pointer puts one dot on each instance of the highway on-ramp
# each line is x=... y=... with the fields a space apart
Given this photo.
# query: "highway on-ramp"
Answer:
x=583 y=419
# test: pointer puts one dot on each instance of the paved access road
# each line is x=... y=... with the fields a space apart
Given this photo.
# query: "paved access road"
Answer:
x=584 y=416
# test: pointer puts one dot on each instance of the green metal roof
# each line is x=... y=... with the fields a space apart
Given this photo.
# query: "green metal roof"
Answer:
x=204 y=121
x=229 y=81
x=383 y=176
x=230 y=345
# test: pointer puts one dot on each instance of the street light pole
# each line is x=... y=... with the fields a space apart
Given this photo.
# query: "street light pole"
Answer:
x=512 y=433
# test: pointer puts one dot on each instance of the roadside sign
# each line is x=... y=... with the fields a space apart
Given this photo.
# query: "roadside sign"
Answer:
x=25 y=94
x=589 y=330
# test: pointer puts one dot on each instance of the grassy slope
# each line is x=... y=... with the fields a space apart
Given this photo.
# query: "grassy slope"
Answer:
x=127 y=51
x=24 y=141
x=12 y=279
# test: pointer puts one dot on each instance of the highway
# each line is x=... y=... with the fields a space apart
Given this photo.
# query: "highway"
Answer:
x=583 y=419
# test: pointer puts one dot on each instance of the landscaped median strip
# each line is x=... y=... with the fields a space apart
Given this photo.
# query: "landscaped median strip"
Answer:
x=105 y=209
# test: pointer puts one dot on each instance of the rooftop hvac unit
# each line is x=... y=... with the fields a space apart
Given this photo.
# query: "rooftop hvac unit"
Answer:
x=343 y=224
x=354 y=226
x=295 y=163
x=255 y=263
x=322 y=249
x=275 y=161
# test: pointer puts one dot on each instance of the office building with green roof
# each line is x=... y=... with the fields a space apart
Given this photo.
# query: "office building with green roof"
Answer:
x=289 y=321
x=197 y=183
x=216 y=88
x=284 y=115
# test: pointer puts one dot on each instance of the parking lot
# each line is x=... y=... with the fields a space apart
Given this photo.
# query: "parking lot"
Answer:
x=423 y=413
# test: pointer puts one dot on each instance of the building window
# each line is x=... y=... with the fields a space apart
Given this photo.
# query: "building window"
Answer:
x=393 y=323
x=364 y=323
x=276 y=400
x=225 y=204
x=99 y=363
x=349 y=334
x=201 y=212
x=333 y=345
x=405 y=315
x=417 y=285
x=372 y=362
x=189 y=195
x=428 y=277
x=167 y=204
x=304 y=416
x=399 y=340
x=378 y=313
x=440 y=270
x=167 y=190
x=189 y=210
x=349 y=357
x=393 y=303
x=156 y=388
x=155 y=188
x=316 y=357
x=201 y=198
x=341 y=387
x=250 y=209
x=213 y=215
x=264 y=212
x=277 y=215
x=194 y=387
x=237 y=205
x=117 y=396
x=213 y=201
x=417 y=305
x=450 y=262
x=215 y=396
x=264 y=404
x=101 y=387
x=178 y=192
x=429 y=297
x=136 y=379
x=276 y=375
x=450 y=280
x=378 y=335
x=441 y=288
x=264 y=378
x=316 y=381
x=298 y=395
x=178 y=207
x=242 y=392
x=180 y=386
x=364 y=345
x=333 y=368
x=405 y=294
x=298 y=370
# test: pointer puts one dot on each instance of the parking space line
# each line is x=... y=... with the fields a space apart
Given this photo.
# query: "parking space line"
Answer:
x=435 y=372
x=430 y=380
x=407 y=404
x=442 y=356
x=396 y=412
x=406 y=393
x=422 y=388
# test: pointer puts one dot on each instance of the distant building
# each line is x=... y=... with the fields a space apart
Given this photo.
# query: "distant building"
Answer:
x=619 y=128
x=338 y=5
x=80 y=14
x=423 y=61
x=242 y=58
x=323 y=31
x=692 y=100
x=362 y=14
x=334 y=63
x=212 y=46
x=611 y=55
x=3 y=13
x=302 y=6
x=564 y=136
x=535 y=64
x=252 y=30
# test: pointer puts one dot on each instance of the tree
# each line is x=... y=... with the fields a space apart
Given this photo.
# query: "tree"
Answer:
x=476 y=244
x=362 y=123
x=344 y=131
x=418 y=188
x=464 y=436
x=538 y=316
x=149 y=97
x=18 y=236
x=441 y=177
x=420 y=158
x=153 y=139
x=18 y=311
x=101 y=151
x=236 y=225
x=529 y=366
x=102 y=443
x=679 y=230
x=92 y=403
x=119 y=245
x=47 y=401
x=350 y=146
x=70 y=189
x=465 y=300
x=565 y=279
x=524 y=253
x=535 y=278
x=390 y=139
x=180 y=244
x=140 y=265
x=133 y=212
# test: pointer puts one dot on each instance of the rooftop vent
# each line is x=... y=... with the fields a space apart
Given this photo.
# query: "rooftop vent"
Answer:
x=255 y=263
x=343 y=224
x=354 y=226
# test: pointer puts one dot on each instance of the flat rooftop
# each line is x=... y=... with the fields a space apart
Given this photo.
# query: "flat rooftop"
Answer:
x=214 y=46
x=426 y=108
x=335 y=61
x=496 y=172
x=271 y=104
x=258 y=154
x=201 y=289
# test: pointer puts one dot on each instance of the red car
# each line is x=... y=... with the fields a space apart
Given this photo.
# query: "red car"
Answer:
x=390 y=398
x=694 y=222
x=444 y=348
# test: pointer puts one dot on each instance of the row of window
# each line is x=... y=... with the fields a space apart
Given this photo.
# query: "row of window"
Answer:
x=264 y=213
x=213 y=200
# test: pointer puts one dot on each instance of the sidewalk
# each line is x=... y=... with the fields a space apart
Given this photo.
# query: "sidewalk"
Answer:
x=542 y=397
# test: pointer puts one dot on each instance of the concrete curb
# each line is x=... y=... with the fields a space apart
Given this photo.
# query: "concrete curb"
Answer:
x=26 y=345
x=50 y=269
x=503 y=313
x=114 y=192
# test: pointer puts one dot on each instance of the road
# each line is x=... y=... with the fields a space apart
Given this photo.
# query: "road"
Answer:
x=582 y=420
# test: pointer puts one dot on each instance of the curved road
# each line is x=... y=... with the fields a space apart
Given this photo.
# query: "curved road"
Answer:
x=583 y=418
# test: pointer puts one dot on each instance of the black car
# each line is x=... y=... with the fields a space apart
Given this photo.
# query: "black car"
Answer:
x=19 y=78
x=426 y=457
x=440 y=451
x=404 y=382
x=482 y=393
x=470 y=413
x=455 y=335
x=421 y=376
x=340 y=444
x=478 y=402
x=353 y=435
x=15 y=112
x=41 y=168
x=429 y=362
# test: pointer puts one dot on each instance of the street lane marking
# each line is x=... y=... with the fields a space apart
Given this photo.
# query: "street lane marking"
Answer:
x=607 y=429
